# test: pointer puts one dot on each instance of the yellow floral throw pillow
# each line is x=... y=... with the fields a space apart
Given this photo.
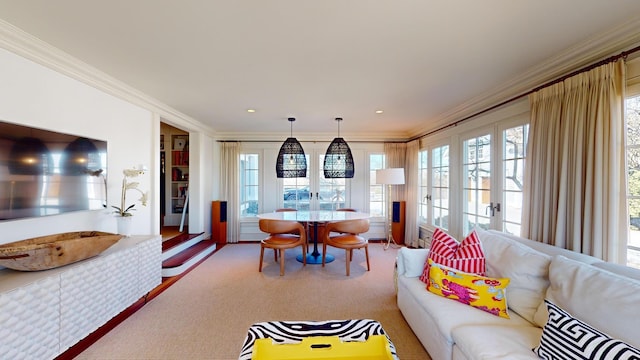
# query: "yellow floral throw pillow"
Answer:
x=484 y=293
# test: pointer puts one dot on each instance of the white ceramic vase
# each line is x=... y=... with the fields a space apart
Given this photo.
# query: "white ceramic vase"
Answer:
x=124 y=225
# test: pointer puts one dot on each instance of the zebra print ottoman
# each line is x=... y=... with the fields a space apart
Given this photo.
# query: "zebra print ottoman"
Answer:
x=291 y=332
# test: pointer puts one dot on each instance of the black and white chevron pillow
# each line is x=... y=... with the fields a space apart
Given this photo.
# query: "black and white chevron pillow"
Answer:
x=565 y=337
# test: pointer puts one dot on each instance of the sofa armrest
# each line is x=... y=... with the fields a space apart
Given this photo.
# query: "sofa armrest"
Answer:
x=410 y=262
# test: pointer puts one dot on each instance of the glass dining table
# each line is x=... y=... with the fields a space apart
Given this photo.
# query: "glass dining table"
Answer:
x=314 y=217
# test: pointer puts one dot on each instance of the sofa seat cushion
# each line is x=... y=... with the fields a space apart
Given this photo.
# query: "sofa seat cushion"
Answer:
x=527 y=269
x=604 y=300
x=449 y=314
x=497 y=342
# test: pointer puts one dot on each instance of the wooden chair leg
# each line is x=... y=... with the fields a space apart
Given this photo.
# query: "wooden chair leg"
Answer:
x=281 y=262
x=366 y=253
x=304 y=255
x=348 y=261
x=275 y=255
x=261 y=256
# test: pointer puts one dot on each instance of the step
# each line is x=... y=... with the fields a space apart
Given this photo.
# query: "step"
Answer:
x=179 y=243
x=188 y=257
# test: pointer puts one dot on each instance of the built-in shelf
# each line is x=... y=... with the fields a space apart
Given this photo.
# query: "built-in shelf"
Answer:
x=179 y=172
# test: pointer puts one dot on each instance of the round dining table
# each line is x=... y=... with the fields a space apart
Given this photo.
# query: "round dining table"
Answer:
x=314 y=217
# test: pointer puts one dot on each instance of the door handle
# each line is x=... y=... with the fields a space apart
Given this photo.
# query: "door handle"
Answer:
x=489 y=208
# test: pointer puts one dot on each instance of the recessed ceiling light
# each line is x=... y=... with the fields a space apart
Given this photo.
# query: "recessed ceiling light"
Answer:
x=251 y=110
x=379 y=111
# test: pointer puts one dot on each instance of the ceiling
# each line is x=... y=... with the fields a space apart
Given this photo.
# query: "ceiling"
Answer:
x=423 y=63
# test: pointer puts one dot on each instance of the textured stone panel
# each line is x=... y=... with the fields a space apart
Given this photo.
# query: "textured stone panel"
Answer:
x=150 y=264
x=29 y=320
x=85 y=305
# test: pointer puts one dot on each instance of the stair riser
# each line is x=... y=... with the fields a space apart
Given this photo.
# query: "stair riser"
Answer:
x=183 y=246
x=169 y=272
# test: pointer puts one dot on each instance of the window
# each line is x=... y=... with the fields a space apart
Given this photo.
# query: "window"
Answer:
x=632 y=118
x=423 y=186
x=514 y=145
x=376 y=191
x=440 y=187
x=249 y=184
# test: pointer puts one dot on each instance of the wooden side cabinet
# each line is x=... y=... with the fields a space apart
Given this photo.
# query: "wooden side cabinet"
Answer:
x=219 y=221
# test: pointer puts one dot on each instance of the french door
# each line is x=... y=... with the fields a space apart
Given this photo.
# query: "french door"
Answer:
x=492 y=178
x=315 y=192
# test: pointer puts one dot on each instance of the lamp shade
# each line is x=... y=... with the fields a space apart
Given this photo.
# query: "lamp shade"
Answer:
x=390 y=176
x=291 y=162
x=338 y=160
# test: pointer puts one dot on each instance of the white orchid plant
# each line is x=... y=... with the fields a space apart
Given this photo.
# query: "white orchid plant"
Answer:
x=124 y=210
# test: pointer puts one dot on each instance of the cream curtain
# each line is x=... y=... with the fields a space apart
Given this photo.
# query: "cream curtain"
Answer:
x=411 y=194
x=229 y=172
x=575 y=181
x=396 y=155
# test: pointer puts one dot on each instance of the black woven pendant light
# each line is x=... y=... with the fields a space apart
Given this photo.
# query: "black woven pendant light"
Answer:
x=338 y=161
x=291 y=162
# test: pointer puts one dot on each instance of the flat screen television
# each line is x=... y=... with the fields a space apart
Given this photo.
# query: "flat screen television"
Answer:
x=44 y=172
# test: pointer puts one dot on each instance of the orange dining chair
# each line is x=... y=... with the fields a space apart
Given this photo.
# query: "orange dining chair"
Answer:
x=347 y=209
x=348 y=239
x=305 y=225
x=282 y=235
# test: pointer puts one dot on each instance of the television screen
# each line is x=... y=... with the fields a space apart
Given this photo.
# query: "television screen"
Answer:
x=47 y=173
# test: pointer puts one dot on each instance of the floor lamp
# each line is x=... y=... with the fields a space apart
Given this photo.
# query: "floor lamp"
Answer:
x=390 y=176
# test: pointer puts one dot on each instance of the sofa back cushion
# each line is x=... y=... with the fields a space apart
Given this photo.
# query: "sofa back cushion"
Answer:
x=527 y=269
x=548 y=249
x=411 y=262
x=604 y=300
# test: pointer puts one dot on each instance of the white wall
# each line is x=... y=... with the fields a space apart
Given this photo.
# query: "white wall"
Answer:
x=34 y=95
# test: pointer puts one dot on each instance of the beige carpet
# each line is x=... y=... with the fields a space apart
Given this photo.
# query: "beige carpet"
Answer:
x=206 y=314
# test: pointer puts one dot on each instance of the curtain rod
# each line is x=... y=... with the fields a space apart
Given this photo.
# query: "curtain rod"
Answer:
x=314 y=141
x=623 y=54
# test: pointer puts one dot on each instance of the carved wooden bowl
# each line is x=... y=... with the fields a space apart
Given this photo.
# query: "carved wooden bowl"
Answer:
x=52 y=251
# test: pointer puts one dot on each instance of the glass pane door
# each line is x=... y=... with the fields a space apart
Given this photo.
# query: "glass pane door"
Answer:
x=477 y=206
x=297 y=192
x=331 y=192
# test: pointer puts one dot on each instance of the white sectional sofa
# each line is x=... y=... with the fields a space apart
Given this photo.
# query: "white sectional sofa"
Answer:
x=603 y=295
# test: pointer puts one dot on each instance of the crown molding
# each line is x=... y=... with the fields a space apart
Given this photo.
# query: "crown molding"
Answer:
x=604 y=45
x=310 y=137
x=30 y=47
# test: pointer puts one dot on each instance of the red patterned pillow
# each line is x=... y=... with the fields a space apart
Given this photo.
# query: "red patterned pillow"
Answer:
x=465 y=256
